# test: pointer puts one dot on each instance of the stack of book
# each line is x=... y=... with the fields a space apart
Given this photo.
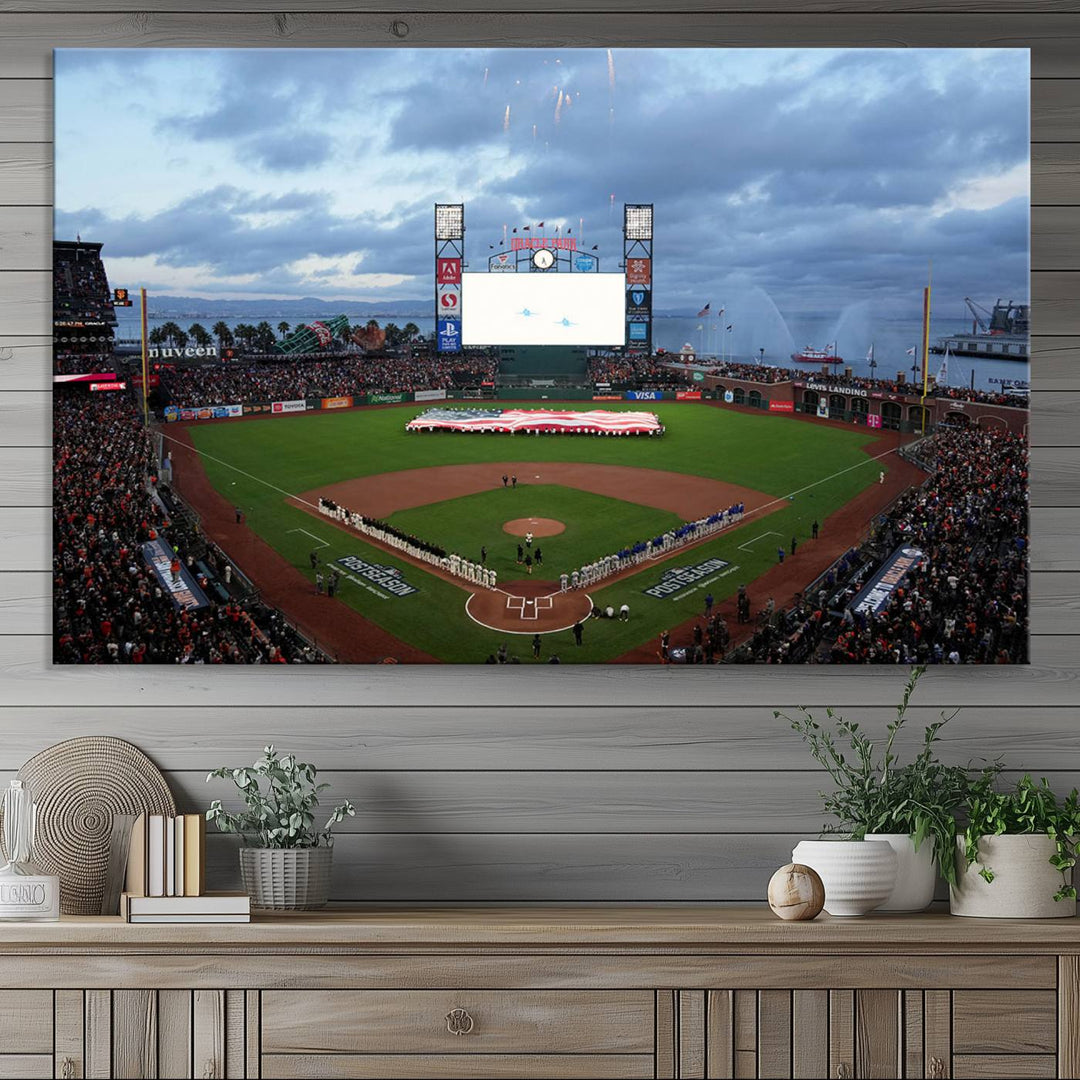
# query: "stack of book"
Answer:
x=166 y=875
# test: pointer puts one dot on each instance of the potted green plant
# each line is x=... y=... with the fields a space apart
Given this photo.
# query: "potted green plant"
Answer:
x=910 y=807
x=1016 y=852
x=285 y=859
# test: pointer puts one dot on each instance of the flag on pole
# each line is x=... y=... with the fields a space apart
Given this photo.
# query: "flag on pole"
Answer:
x=870 y=353
x=704 y=311
x=540 y=225
x=911 y=351
x=700 y=327
x=730 y=326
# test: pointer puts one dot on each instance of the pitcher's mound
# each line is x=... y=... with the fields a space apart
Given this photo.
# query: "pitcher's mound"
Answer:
x=536 y=526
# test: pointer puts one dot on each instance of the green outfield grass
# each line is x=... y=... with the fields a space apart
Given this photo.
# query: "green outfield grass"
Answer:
x=254 y=462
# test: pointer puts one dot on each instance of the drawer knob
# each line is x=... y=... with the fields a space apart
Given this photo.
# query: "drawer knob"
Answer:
x=459 y=1022
x=937 y=1069
x=67 y=1069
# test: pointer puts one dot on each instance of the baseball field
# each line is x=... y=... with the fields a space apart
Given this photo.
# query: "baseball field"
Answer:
x=586 y=496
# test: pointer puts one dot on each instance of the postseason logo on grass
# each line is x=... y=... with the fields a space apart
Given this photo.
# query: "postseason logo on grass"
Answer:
x=682 y=577
x=386 y=577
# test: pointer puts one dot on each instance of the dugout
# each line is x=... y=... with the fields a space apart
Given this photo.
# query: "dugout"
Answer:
x=522 y=363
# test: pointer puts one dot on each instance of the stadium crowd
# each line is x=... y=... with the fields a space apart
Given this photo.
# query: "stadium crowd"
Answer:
x=841 y=381
x=108 y=604
x=80 y=287
x=242 y=382
x=965 y=602
x=640 y=372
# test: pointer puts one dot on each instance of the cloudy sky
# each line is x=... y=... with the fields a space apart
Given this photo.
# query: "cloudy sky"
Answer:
x=823 y=177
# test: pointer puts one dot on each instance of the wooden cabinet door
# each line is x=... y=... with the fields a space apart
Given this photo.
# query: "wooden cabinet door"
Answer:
x=867 y=1034
x=152 y=1035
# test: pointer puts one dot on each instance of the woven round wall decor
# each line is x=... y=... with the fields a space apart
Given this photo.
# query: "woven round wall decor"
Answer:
x=78 y=785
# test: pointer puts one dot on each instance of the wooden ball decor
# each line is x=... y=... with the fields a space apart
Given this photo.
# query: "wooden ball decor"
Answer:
x=796 y=893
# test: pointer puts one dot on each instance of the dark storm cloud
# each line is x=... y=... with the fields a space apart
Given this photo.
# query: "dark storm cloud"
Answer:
x=823 y=186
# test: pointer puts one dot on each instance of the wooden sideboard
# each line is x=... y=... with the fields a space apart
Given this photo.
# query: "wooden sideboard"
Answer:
x=552 y=992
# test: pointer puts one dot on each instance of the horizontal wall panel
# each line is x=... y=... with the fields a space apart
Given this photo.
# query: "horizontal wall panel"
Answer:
x=26 y=169
x=509 y=739
x=1055 y=361
x=476 y=868
x=25 y=474
x=872 y=9
x=528 y=803
x=27 y=678
x=26 y=537
x=1055 y=173
x=26 y=362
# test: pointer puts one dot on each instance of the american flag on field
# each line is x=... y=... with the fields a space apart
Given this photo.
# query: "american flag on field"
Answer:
x=548 y=421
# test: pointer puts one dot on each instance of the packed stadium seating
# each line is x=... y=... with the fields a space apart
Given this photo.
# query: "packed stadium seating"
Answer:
x=81 y=296
x=967 y=604
x=349 y=375
x=108 y=605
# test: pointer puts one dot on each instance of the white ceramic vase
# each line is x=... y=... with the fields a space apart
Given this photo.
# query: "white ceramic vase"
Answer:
x=916 y=872
x=1024 y=881
x=858 y=875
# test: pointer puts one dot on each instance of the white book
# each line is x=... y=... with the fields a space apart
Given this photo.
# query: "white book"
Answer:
x=170 y=856
x=178 y=855
x=189 y=919
x=155 y=855
x=207 y=904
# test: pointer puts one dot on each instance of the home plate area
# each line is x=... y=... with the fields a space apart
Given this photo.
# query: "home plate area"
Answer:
x=528 y=607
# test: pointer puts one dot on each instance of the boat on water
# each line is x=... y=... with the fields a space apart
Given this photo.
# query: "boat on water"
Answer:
x=1002 y=334
x=810 y=355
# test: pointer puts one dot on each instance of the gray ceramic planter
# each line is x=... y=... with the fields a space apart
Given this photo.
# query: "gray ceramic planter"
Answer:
x=1024 y=881
x=287 y=879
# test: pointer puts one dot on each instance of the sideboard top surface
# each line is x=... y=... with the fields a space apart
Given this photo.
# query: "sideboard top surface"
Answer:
x=551 y=928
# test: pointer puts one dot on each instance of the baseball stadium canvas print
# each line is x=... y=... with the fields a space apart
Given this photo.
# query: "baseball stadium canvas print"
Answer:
x=515 y=356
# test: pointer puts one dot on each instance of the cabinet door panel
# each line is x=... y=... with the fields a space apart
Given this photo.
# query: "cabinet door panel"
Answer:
x=810 y=1034
x=774 y=1034
x=26 y=1066
x=135 y=1034
x=70 y=1024
x=26 y=1022
x=877 y=1034
x=1004 y=1022
x=98 y=1026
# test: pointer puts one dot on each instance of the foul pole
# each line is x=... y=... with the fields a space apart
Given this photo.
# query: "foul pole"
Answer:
x=142 y=320
x=926 y=345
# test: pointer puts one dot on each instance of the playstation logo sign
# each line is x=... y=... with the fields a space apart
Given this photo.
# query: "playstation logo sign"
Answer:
x=449 y=335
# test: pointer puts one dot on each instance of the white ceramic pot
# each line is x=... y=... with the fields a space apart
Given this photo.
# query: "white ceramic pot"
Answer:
x=916 y=872
x=1024 y=881
x=858 y=875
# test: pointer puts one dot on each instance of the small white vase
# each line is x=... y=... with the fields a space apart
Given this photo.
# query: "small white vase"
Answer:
x=858 y=875
x=916 y=872
x=1024 y=881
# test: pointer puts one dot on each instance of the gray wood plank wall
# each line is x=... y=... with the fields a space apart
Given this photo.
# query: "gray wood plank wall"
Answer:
x=555 y=784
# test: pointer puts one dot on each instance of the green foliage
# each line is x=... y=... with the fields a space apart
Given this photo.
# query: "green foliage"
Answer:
x=875 y=793
x=280 y=796
x=1027 y=809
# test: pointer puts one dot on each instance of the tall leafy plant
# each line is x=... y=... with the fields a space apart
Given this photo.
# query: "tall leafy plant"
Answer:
x=874 y=792
x=280 y=798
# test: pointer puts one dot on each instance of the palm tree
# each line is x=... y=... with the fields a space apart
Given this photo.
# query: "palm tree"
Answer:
x=156 y=336
x=223 y=334
x=173 y=334
x=243 y=332
x=283 y=328
x=264 y=336
x=345 y=333
x=410 y=330
x=393 y=334
x=372 y=324
x=199 y=335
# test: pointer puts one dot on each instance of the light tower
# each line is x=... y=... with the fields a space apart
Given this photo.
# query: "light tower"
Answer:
x=638 y=264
